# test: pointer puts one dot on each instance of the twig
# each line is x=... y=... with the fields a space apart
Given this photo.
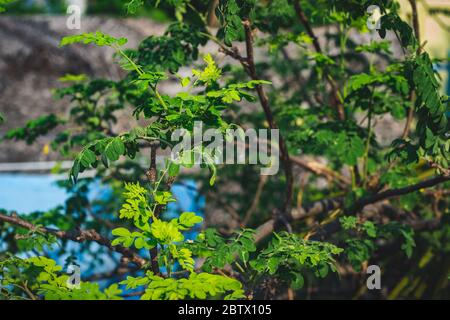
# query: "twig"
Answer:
x=334 y=88
x=270 y=118
x=444 y=171
x=256 y=199
x=328 y=205
x=151 y=175
x=412 y=97
x=28 y=291
x=321 y=170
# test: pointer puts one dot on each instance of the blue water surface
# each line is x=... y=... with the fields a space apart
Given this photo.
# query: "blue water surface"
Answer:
x=25 y=193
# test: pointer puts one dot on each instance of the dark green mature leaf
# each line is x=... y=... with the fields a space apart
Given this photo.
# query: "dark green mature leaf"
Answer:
x=177 y=47
x=113 y=148
x=133 y=6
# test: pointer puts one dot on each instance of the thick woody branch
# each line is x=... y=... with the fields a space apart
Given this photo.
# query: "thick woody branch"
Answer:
x=248 y=63
x=77 y=236
x=269 y=117
x=328 y=205
x=321 y=170
x=151 y=175
x=305 y=22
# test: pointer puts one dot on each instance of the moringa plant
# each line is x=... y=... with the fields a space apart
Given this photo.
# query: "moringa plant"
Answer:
x=344 y=198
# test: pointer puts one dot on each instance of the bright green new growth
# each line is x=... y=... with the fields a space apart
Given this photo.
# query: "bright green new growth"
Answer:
x=50 y=281
x=168 y=236
x=196 y=286
x=98 y=38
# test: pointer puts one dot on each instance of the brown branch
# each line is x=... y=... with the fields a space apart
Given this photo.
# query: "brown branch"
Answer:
x=397 y=192
x=28 y=291
x=211 y=16
x=269 y=117
x=321 y=170
x=316 y=208
x=248 y=63
x=328 y=205
x=233 y=53
x=305 y=22
x=336 y=101
x=151 y=172
x=151 y=175
x=77 y=236
x=416 y=27
x=311 y=166
x=409 y=119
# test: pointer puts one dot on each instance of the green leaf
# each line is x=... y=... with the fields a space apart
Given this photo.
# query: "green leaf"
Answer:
x=210 y=74
x=151 y=78
x=348 y=222
x=113 y=292
x=133 y=6
x=163 y=197
x=4 y=3
x=323 y=270
x=298 y=281
x=189 y=219
x=139 y=243
x=370 y=229
x=165 y=232
x=121 y=232
x=114 y=148
x=185 y=81
x=272 y=264
x=174 y=169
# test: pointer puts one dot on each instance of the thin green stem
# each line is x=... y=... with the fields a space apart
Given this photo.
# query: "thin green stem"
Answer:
x=141 y=72
x=157 y=186
x=159 y=97
x=369 y=136
x=239 y=267
x=124 y=55
x=343 y=38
